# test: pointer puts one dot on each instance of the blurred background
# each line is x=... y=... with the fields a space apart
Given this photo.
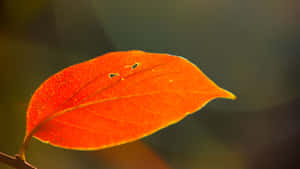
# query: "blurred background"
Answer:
x=251 y=48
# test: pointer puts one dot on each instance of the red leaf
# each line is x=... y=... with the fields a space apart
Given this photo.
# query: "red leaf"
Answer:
x=117 y=98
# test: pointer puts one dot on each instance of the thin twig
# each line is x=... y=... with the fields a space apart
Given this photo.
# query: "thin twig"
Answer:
x=15 y=161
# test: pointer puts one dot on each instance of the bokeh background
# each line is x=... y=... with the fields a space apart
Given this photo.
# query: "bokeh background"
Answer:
x=251 y=48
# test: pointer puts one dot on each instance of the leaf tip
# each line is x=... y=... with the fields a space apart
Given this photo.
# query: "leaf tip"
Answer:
x=228 y=95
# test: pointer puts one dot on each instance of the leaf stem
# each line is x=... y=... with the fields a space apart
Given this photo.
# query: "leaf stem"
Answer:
x=24 y=146
x=15 y=161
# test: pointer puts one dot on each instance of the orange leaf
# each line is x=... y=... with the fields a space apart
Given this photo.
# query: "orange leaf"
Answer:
x=117 y=98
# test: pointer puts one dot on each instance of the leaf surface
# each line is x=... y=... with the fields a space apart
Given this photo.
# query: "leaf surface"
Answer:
x=117 y=98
